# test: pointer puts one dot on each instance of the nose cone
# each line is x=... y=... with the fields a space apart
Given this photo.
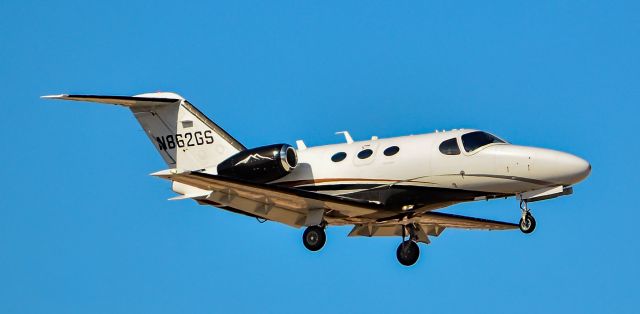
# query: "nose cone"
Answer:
x=566 y=168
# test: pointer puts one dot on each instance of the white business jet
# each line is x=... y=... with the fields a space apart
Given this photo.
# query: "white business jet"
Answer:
x=383 y=187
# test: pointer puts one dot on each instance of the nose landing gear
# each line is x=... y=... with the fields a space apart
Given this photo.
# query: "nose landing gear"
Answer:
x=527 y=222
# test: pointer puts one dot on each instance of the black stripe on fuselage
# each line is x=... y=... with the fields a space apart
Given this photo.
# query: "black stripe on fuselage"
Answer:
x=395 y=196
x=340 y=187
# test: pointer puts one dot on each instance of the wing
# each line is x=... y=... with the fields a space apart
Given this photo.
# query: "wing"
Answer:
x=298 y=208
x=290 y=206
x=463 y=222
x=428 y=224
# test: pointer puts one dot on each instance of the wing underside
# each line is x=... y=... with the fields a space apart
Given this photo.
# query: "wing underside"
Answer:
x=299 y=208
x=286 y=205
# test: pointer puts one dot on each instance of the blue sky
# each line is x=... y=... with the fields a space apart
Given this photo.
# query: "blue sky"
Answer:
x=84 y=229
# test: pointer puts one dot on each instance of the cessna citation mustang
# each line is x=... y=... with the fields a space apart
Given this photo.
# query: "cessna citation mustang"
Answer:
x=383 y=187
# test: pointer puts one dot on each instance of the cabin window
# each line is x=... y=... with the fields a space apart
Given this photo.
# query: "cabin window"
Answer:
x=450 y=147
x=338 y=157
x=364 y=154
x=474 y=140
x=390 y=151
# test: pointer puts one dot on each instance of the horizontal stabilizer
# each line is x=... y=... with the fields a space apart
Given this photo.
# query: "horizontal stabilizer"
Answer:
x=127 y=101
x=167 y=173
x=190 y=196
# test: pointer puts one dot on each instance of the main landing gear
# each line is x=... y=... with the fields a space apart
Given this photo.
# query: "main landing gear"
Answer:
x=314 y=238
x=408 y=251
x=527 y=222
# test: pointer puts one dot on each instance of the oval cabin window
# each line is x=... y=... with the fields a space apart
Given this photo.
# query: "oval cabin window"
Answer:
x=365 y=154
x=390 y=151
x=338 y=157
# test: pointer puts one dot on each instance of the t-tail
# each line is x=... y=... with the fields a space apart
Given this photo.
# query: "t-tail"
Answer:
x=185 y=138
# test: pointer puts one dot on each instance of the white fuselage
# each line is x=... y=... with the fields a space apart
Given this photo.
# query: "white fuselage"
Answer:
x=419 y=166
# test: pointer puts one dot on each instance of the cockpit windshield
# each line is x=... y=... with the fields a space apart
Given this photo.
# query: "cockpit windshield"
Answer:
x=474 y=140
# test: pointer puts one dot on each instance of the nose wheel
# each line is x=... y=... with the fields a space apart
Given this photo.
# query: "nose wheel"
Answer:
x=314 y=238
x=527 y=222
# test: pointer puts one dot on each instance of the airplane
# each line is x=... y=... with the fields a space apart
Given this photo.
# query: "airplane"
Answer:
x=381 y=187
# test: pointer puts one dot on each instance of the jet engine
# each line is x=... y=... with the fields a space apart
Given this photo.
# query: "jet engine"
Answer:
x=260 y=164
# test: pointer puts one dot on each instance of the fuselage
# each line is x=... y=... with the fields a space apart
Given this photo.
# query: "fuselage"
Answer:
x=433 y=170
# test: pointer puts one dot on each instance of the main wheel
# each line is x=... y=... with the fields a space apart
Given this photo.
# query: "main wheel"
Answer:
x=408 y=253
x=527 y=224
x=314 y=238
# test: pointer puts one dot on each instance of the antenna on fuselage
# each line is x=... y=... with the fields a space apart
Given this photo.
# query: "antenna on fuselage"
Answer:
x=301 y=145
x=347 y=136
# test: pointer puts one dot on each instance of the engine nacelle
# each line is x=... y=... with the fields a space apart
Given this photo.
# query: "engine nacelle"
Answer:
x=260 y=164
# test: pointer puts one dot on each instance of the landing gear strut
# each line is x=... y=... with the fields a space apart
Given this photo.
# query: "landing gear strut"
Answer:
x=408 y=252
x=527 y=222
x=314 y=238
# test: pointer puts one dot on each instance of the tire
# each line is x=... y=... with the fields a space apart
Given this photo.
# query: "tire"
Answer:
x=528 y=224
x=314 y=238
x=408 y=253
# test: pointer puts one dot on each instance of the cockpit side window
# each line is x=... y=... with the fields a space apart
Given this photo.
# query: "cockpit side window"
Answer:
x=450 y=147
x=474 y=140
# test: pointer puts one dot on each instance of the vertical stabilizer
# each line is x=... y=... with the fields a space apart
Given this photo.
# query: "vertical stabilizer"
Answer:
x=185 y=138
